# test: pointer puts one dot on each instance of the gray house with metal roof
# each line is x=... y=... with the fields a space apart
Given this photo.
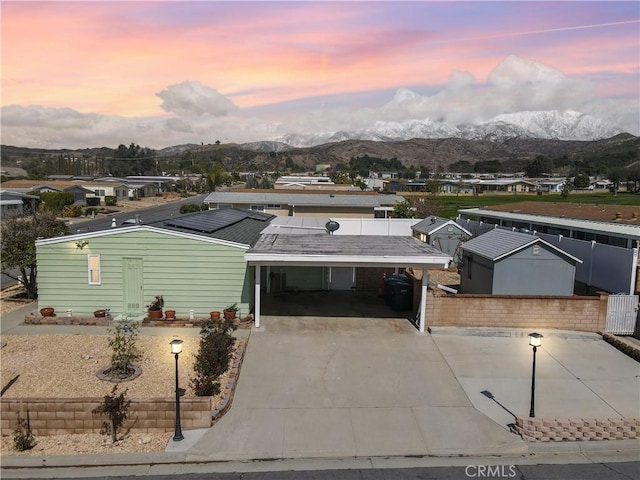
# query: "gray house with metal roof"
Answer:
x=503 y=262
x=328 y=204
x=442 y=233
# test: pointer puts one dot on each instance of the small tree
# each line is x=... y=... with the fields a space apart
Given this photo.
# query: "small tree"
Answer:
x=19 y=235
x=23 y=438
x=567 y=186
x=123 y=342
x=214 y=354
x=116 y=408
x=403 y=210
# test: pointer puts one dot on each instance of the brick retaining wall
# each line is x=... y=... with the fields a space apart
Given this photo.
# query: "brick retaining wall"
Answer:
x=584 y=314
x=558 y=430
x=49 y=416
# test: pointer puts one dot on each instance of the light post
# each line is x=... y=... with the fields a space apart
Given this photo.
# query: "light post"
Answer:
x=176 y=348
x=535 y=341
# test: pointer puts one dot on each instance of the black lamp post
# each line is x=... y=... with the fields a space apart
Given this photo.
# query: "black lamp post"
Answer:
x=535 y=341
x=176 y=348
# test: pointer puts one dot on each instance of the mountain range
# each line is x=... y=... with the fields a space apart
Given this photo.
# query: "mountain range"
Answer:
x=555 y=125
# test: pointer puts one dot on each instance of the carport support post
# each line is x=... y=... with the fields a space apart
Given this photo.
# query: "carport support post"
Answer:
x=256 y=295
x=423 y=297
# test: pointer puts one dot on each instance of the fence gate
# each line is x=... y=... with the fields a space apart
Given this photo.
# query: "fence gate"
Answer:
x=622 y=313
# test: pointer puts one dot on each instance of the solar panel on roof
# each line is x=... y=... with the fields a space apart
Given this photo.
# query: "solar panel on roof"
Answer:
x=209 y=221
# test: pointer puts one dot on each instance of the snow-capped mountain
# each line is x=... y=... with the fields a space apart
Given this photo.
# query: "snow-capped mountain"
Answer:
x=568 y=125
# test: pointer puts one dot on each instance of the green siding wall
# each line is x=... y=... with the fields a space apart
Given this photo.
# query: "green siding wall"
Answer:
x=188 y=273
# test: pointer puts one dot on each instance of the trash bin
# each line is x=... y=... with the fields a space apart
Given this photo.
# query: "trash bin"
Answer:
x=399 y=292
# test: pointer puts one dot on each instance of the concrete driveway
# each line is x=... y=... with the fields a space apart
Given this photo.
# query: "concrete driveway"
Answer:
x=345 y=387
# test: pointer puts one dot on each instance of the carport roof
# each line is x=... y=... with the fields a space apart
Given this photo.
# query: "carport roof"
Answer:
x=347 y=250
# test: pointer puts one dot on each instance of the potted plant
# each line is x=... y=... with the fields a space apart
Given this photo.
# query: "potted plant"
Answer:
x=47 y=312
x=155 y=308
x=230 y=312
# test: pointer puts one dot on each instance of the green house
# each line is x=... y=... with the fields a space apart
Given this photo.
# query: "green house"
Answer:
x=196 y=263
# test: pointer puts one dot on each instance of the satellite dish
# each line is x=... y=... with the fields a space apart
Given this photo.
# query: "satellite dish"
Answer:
x=332 y=226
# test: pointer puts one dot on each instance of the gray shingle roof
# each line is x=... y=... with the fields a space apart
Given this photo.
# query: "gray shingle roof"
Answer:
x=307 y=199
x=498 y=243
x=343 y=245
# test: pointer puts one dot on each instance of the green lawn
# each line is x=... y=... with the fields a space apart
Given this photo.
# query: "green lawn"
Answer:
x=451 y=203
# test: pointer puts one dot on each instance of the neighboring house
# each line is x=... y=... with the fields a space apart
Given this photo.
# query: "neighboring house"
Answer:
x=503 y=262
x=15 y=203
x=617 y=225
x=196 y=262
x=301 y=203
x=304 y=182
x=79 y=194
x=444 y=234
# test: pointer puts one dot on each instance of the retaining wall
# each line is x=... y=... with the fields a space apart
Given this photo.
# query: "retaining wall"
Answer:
x=558 y=430
x=49 y=416
x=584 y=314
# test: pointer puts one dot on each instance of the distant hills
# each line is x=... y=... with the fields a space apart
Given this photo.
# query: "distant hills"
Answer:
x=512 y=143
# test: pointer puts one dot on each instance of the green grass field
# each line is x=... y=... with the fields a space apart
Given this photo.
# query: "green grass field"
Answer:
x=452 y=203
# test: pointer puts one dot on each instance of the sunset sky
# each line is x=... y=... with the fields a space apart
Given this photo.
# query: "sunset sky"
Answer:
x=90 y=74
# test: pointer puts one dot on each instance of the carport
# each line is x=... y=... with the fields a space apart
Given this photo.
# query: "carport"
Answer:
x=273 y=250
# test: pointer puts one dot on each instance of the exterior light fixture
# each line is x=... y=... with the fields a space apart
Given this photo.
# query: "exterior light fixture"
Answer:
x=176 y=349
x=535 y=340
x=81 y=244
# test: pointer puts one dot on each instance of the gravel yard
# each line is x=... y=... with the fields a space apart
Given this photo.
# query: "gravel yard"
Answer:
x=65 y=366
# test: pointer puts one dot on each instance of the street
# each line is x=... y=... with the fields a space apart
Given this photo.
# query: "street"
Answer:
x=477 y=470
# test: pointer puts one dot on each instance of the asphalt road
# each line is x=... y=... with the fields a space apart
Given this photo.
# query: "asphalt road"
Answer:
x=586 y=471
x=145 y=215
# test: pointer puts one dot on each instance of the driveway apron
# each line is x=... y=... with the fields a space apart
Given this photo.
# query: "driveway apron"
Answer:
x=347 y=387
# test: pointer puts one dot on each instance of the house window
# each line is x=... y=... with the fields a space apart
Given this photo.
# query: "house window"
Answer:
x=225 y=205
x=274 y=205
x=100 y=193
x=258 y=208
x=93 y=262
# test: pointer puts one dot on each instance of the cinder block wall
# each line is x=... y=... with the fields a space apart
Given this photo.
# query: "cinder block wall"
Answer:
x=585 y=314
x=559 y=430
x=49 y=416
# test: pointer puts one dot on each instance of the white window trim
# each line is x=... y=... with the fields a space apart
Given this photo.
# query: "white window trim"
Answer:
x=89 y=270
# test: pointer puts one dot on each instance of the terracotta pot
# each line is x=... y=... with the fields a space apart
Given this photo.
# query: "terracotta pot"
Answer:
x=155 y=314
x=47 y=312
x=100 y=313
x=230 y=314
x=170 y=314
x=215 y=315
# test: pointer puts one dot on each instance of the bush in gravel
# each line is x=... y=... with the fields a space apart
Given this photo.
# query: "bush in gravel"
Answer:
x=116 y=408
x=214 y=354
x=123 y=342
x=23 y=438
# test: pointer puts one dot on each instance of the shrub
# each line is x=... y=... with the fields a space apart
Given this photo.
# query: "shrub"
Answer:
x=193 y=207
x=71 y=211
x=56 y=201
x=91 y=211
x=123 y=342
x=116 y=408
x=214 y=354
x=23 y=438
x=110 y=200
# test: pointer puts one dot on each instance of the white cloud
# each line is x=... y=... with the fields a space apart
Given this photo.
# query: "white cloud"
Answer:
x=204 y=115
x=193 y=98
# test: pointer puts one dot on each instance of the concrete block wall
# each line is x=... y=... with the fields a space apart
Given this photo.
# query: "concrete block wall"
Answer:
x=49 y=416
x=585 y=314
x=560 y=430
